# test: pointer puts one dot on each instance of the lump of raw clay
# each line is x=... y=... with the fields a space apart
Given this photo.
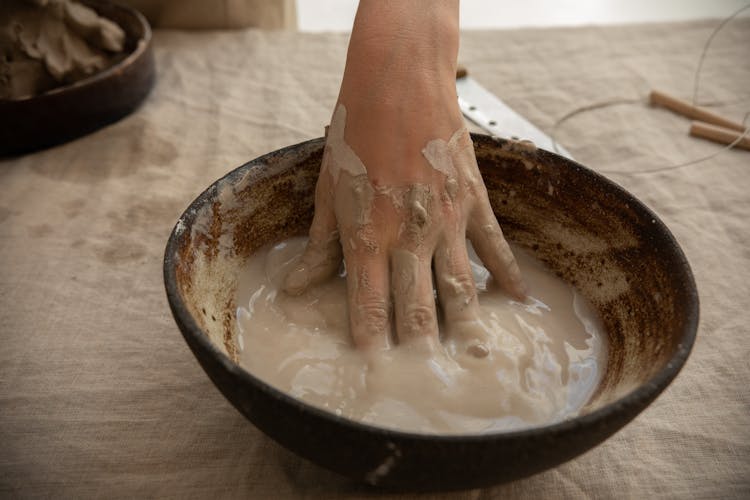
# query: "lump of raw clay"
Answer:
x=48 y=43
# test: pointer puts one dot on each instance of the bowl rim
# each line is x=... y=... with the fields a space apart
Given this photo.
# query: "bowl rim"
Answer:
x=646 y=391
x=141 y=46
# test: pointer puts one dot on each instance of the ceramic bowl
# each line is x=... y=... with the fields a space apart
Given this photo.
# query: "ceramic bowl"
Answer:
x=587 y=229
x=70 y=111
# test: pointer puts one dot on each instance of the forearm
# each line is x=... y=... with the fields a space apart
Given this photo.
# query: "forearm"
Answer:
x=401 y=69
x=402 y=42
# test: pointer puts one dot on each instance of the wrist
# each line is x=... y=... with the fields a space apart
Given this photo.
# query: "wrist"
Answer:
x=405 y=38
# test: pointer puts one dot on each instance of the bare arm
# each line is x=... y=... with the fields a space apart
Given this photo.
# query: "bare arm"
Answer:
x=399 y=188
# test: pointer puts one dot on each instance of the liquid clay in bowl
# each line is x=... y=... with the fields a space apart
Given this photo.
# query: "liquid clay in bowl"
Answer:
x=586 y=229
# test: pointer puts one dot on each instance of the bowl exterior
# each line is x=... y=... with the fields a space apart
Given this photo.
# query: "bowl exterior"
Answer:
x=416 y=462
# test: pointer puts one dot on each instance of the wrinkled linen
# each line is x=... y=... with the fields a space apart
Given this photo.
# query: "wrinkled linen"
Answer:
x=99 y=394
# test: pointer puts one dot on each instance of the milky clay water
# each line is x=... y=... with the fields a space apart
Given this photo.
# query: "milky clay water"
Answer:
x=546 y=357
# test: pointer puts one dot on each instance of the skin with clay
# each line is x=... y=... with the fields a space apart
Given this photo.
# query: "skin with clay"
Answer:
x=48 y=43
x=399 y=189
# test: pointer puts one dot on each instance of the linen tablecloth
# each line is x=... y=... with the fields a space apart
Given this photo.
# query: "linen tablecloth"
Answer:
x=100 y=396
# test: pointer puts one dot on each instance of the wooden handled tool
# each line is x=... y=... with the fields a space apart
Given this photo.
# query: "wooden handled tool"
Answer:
x=696 y=113
x=719 y=134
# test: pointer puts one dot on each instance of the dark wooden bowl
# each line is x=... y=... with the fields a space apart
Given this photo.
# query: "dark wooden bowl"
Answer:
x=586 y=228
x=70 y=111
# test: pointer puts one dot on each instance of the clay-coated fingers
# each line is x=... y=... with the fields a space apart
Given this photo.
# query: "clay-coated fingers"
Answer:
x=413 y=297
x=368 y=299
x=322 y=255
x=456 y=288
x=458 y=295
x=492 y=248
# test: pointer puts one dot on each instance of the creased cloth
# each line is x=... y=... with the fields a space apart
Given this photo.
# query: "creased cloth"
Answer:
x=101 y=398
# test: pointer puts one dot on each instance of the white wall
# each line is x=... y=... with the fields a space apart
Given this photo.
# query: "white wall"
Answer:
x=337 y=15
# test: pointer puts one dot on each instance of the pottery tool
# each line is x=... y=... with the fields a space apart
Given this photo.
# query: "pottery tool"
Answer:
x=657 y=98
x=708 y=125
x=720 y=135
x=489 y=112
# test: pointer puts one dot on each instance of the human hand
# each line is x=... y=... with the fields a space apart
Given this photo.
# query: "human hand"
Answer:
x=399 y=190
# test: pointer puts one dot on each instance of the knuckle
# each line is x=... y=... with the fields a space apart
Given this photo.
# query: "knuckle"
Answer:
x=370 y=323
x=418 y=318
x=373 y=315
x=461 y=288
x=493 y=232
x=451 y=188
x=366 y=237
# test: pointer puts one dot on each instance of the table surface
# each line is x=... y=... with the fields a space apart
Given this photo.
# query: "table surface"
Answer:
x=100 y=396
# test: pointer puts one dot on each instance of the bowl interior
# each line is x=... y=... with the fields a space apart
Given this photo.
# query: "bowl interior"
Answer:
x=589 y=231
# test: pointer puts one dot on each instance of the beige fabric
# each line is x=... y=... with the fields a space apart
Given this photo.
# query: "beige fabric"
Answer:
x=99 y=395
x=217 y=14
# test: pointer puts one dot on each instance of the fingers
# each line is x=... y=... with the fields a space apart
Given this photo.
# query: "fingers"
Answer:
x=483 y=229
x=458 y=295
x=369 y=300
x=494 y=251
x=322 y=255
x=413 y=299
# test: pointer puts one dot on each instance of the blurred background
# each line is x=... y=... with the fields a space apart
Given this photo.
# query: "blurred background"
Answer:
x=337 y=15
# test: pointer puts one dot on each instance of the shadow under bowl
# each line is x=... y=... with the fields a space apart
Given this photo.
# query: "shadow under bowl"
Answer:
x=70 y=111
x=588 y=230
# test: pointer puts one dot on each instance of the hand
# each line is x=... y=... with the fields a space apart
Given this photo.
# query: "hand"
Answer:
x=399 y=189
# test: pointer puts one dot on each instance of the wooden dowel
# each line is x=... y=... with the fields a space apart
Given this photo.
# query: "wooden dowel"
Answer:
x=686 y=109
x=718 y=134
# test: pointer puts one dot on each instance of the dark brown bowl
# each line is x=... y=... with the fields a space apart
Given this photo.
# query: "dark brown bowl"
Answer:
x=586 y=228
x=70 y=111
